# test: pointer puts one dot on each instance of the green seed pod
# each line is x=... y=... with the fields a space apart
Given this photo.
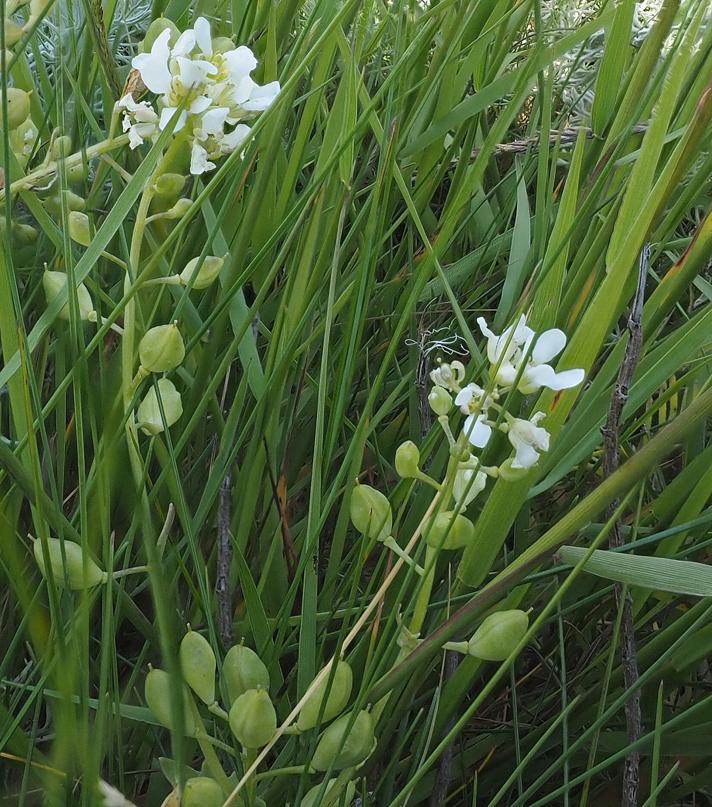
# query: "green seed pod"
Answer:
x=13 y=33
x=149 y=411
x=243 y=670
x=157 y=692
x=498 y=635
x=311 y=796
x=81 y=572
x=197 y=662
x=209 y=270
x=61 y=147
x=440 y=400
x=169 y=186
x=201 y=791
x=155 y=29
x=370 y=512
x=79 y=227
x=339 y=695
x=407 y=459
x=444 y=533
x=179 y=209
x=72 y=201
x=18 y=107
x=23 y=140
x=24 y=234
x=161 y=349
x=56 y=282
x=253 y=719
x=342 y=747
x=510 y=474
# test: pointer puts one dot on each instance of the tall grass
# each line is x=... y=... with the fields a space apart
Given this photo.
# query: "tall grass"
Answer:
x=422 y=166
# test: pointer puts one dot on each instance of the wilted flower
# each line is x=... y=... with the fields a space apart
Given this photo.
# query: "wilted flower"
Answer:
x=529 y=440
x=464 y=489
x=209 y=89
x=449 y=376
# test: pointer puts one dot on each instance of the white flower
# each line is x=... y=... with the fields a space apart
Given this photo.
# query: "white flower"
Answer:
x=111 y=797
x=209 y=91
x=450 y=376
x=477 y=430
x=139 y=120
x=538 y=374
x=508 y=351
x=464 y=490
x=529 y=440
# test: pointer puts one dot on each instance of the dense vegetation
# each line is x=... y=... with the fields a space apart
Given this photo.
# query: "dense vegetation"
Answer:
x=219 y=427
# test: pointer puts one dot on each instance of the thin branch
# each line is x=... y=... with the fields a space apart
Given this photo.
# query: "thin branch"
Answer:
x=611 y=461
x=222 y=582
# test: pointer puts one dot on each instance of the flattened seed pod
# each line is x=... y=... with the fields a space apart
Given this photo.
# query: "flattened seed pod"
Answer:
x=339 y=695
x=81 y=572
x=242 y=670
x=498 y=635
x=343 y=746
x=197 y=661
x=157 y=692
x=201 y=791
x=253 y=719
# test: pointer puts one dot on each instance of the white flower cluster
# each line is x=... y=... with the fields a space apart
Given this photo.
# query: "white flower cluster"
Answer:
x=210 y=89
x=519 y=359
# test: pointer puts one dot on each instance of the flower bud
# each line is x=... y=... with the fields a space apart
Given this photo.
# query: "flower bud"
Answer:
x=440 y=400
x=169 y=185
x=61 y=147
x=161 y=349
x=179 y=209
x=155 y=29
x=13 y=33
x=445 y=533
x=157 y=692
x=510 y=474
x=209 y=270
x=18 y=107
x=197 y=662
x=311 y=796
x=55 y=282
x=370 y=512
x=149 y=412
x=407 y=459
x=242 y=670
x=343 y=746
x=253 y=719
x=498 y=635
x=81 y=572
x=72 y=201
x=339 y=694
x=79 y=229
x=201 y=791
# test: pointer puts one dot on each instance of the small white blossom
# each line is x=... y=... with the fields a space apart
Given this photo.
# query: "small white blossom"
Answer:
x=529 y=440
x=139 y=120
x=508 y=352
x=477 y=430
x=209 y=91
x=474 y=403
x=464 y=490
x=111 y=797
x=449 y=376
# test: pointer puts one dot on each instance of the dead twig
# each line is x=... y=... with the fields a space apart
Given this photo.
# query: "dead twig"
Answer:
x=611 y=459
x=222 y=581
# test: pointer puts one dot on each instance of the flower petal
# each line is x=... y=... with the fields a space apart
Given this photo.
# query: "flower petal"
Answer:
x=549 y=344
x=525 y=457
x=213 y=121
x=199 y=162
x=261 y=97
x=478 y=432
x=543 y=375
x=184 y=44
x=202 y=36
x=153 y=66
x=166 y=115
x=463 y=489
x=240 y=62
x=193 y=72
x=234 y=139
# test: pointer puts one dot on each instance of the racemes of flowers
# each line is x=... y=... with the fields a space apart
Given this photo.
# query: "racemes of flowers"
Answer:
x=206 y=83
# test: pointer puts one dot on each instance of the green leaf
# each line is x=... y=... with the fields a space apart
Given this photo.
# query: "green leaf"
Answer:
x=662 y=574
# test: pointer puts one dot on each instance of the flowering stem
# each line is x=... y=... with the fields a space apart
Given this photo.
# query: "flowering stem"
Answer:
x=127 y=572
x=458 y=647
x=218 y=711
x=289 y=771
